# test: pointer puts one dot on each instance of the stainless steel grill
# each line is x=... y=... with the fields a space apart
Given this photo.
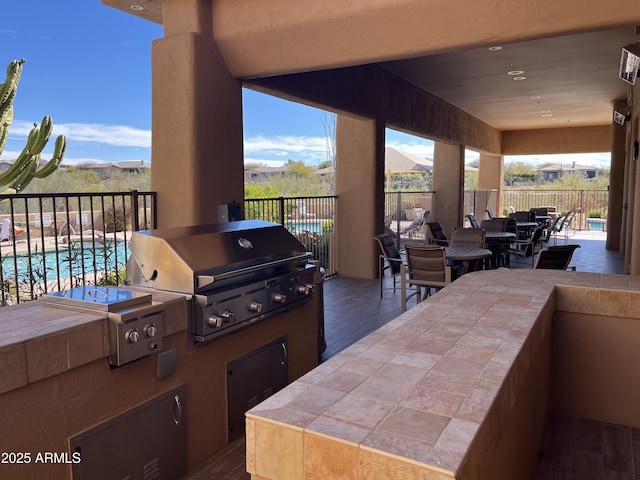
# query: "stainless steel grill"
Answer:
x=235 y=273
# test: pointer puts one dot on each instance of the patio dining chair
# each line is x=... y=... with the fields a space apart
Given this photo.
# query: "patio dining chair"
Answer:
x=426 y=267
x=467 y=237
x=490 y=213
x=494 y=225
x=524 y=248
x=389 y=259
x=436 y=234
x=556 y=257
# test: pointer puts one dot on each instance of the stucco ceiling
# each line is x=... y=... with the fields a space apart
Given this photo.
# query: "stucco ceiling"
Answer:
x=570 y=80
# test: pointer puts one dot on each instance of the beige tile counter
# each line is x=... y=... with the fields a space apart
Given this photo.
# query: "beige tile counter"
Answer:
x=39 y=341
x=440 y=391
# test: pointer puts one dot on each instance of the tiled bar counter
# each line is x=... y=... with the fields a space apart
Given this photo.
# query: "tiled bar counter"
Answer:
x=459 y=386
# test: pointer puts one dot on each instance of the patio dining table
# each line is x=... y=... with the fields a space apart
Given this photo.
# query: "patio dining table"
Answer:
x=526 y=227
x=495 y=242
x=466 y=254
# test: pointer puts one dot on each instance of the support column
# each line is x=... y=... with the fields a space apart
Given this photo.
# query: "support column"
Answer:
x=491 y=177
x=197 y=151
x=616 y=181
x=448 y=183
x=360 y=191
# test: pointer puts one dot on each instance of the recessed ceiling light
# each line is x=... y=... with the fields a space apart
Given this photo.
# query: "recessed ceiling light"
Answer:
x=546 y=111
x=546 y=115
x=536 y=97
x=515 y=72
x=519 y=78
x=495 y=49
x=137 y=8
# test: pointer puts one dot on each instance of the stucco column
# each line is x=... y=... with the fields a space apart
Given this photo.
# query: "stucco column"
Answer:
x=616 y=181
x=491 y=177
x=359 y=187
x=448 y=183
x=197 y=152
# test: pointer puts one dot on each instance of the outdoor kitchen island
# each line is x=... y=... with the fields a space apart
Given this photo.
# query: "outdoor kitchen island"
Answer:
x=460 y=385
x=57 y=385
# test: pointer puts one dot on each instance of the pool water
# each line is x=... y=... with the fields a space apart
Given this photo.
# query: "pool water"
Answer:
x=596 y=224
x=305 y=226
x=68 y=263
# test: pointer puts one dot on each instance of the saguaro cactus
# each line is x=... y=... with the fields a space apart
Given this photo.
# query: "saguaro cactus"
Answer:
x=26 y=167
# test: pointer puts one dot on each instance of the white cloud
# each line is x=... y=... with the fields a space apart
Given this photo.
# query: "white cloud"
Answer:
x=117 y=135
x=307 y=149
x=266 y=163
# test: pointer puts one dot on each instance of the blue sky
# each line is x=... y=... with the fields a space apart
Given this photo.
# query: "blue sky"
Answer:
x=88 y=66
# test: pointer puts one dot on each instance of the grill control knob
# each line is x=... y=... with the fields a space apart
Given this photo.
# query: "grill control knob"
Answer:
x=227 y=316
x=279 y=298
x=305 y=289
x=214 y=321
x=150 y=330
x=132 y=335
x=255 y=307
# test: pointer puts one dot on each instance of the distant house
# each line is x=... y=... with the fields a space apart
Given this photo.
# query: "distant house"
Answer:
x=323 y=172
x=105 y=169
x=6 y=164
x=264 y=173
x=553 y=172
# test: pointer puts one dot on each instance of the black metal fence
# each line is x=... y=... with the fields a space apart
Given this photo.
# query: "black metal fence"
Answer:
x=51 y=242
x=592 y=205
x=406 y=213
x=309 y=219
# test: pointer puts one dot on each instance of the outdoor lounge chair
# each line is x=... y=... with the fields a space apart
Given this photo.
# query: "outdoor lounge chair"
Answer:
x=389 y=259
x=5 y=230
x=555 y=228
x=490 y=213
x=472 y=220
x=556 y=257
x=417 y=225
x=426 y=267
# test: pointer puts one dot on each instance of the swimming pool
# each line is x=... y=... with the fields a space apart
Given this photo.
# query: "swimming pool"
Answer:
x=313 y=226
x=68 y=263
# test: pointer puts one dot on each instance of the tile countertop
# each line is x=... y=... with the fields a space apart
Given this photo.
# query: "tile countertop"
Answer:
x=419 y=387
x=38 y=341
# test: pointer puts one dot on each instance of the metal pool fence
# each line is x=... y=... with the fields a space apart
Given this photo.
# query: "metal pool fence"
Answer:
x=309 y=219
x=50 y=242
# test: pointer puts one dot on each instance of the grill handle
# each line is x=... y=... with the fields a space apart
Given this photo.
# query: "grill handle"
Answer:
x=205 y=280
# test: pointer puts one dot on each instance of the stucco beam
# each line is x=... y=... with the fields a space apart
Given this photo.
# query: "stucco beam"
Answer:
x=335 y=33
x=557 y=140
x=373 y=92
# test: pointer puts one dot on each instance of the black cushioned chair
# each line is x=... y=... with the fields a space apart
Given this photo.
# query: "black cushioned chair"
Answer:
x=389 y=259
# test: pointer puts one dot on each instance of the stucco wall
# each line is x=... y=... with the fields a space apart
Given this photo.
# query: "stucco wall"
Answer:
x=595 y=362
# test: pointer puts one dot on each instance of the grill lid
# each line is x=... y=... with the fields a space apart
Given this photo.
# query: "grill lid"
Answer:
x=190 y=259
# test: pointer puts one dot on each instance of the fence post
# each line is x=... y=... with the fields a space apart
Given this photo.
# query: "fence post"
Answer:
x=281 y=200
x=134 y=207
x=398 y=214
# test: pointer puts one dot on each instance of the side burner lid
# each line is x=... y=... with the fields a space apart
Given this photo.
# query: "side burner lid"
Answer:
x=102 y=299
